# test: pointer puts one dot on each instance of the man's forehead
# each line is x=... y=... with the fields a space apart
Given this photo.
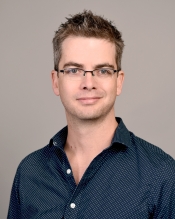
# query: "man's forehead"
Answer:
x=91 y=41
x=79 y=50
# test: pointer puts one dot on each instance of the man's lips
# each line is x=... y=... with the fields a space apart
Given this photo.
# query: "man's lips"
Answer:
x=88 y=100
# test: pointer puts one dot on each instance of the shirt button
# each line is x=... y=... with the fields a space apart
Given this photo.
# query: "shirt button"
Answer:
x=54 y=143
x=72 y=205
x=68 y=171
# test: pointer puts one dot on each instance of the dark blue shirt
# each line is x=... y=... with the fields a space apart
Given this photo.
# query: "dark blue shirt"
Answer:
x=131 y=179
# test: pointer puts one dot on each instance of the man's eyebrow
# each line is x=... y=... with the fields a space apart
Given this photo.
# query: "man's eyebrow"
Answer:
x=68 y=64
x=78 y=65
x=104 y=65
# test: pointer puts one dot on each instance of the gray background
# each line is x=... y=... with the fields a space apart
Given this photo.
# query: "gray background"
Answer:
x=30 y=114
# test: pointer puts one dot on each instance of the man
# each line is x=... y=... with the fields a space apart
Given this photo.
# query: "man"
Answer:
x=94 y=167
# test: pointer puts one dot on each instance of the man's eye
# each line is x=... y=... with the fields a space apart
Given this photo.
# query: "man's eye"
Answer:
x=104 y=71
x=73 y=70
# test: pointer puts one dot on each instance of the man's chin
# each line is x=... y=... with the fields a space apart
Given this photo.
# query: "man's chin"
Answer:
x=89 y=116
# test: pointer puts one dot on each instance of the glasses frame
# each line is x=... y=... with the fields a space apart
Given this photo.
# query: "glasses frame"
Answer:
x=92 y=72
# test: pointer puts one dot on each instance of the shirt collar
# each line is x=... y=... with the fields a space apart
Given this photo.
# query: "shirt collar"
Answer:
x=121 y=136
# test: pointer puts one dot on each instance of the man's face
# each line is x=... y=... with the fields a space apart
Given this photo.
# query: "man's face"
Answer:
x=90 y=97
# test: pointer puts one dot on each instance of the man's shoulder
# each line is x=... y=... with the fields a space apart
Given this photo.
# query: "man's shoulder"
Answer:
x=141 y=150
x=35 y=159
x=39 y=159
x=151 y=155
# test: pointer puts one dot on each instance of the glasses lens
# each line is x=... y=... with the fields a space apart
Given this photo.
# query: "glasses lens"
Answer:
x=73 y=73
x=104 y=72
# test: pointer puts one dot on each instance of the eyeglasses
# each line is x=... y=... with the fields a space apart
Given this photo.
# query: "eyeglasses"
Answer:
x=77 y=73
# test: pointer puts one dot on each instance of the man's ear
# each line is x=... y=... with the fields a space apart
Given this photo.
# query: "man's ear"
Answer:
x=120 y=80
x=55 y=82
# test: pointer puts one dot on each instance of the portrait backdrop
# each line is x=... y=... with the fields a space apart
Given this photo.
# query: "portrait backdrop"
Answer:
x=30 y=114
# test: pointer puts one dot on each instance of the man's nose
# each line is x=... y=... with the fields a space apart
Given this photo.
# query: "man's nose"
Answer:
x=88 y=81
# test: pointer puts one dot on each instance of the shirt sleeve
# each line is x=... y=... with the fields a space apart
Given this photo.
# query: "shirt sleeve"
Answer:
x=14 y=206
x=164 y=194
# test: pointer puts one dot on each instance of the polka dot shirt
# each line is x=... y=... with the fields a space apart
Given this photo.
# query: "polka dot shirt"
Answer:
x=131 y=179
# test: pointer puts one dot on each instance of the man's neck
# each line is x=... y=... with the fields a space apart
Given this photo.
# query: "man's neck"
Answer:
x=86 y=140
x=86 y=136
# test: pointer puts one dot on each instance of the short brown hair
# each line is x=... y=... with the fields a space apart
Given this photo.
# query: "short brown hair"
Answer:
x=87 y=24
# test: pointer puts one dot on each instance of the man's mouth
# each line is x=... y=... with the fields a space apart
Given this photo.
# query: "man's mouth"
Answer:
x=88 y=100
